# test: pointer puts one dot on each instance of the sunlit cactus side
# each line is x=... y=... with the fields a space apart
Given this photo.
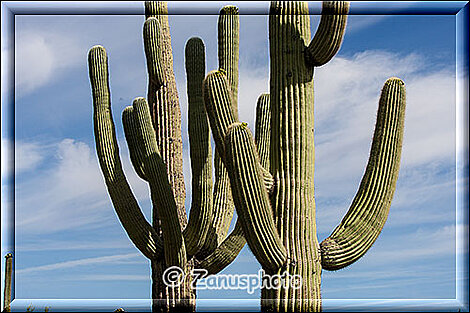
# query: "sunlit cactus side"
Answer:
x=152 y=128
x=279 y=222
x=7 y=286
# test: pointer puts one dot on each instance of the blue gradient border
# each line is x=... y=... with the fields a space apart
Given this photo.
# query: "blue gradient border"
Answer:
x=458 y=8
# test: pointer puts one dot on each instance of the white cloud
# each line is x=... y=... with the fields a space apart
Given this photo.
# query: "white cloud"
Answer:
x=7 y=161
x=253 y=82
x=347 y=93
x=27 y=156
x=41 y=57
x=424 y=243
x=71 y=192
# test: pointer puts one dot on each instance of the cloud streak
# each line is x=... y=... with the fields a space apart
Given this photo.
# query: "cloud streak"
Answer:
x=82 y=262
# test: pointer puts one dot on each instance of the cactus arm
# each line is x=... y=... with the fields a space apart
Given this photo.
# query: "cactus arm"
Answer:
x=228 y=54
x=136 y=154
x=226 y=252
x=7 y=286
x=160 y=188
x=329 y=36
x=219 y=108
x=138 y=229
x=368 y=213
x=228 y=48
x=263 y=137
x=263 y=129
x=199 y=148
x=251 y=198
x=253 y=208
x=152 y=42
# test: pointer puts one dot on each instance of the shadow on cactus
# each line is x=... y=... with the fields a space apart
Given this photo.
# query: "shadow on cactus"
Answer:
x=268 y=178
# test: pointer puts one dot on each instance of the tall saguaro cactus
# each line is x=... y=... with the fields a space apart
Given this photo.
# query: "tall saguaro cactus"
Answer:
x=280 y=227
x=153 y=133
x=268 y=178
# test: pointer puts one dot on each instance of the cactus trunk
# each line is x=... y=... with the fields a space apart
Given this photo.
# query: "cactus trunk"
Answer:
x=292 y=157
x=166 y=116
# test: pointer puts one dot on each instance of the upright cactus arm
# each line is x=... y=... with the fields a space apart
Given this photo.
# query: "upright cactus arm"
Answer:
x=228 y=53
x=160 y=188
x=135 y=152
x=228 y=48
x=251 y=198
x=246 y=177
x=263 y=137
x=200 y=150
x=163 y=100
x=138 y=229
x=329 y=36
x=152 y=41
x=228 y=250
x=366 y=217
x=218 y=103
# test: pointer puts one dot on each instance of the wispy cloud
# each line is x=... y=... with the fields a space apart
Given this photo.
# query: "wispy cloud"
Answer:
x=69 y=264
x=71 y=192
x=42 y=244
x=113 y=277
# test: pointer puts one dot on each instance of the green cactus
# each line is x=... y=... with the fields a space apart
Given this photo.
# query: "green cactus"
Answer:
x=7 y=286
x=280 y=228
x=268 y=178
x=153 y=133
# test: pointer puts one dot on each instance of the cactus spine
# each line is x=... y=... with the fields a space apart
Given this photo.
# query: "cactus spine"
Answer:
x=268 y=178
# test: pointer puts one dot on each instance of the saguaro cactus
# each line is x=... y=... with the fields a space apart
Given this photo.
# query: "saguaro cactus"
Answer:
x=268 y=178
x=153 y=133
x=7 y=290
x=280 y=227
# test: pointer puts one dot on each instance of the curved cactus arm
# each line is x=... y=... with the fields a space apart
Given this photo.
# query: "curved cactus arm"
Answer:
x=366 y=217
x=152 y=45
x=160 y=188
x=226 y=252
x=199 y=148
x=228 y=54
x=138 y=229
x=329 y=36
x=251 y=198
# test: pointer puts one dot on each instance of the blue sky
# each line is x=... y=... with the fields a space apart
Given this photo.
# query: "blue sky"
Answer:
x=69 y=243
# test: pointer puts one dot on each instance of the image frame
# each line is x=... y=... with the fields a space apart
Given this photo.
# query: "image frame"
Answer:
x=11 y=9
